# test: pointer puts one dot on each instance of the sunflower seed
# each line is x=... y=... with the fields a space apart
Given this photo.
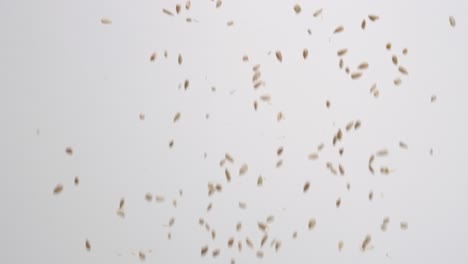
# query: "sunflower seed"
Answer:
x=340 y=245
x=218 y=3
x=204 y=250
x=313 y=156
x=366 y=242
x=106 y=21
x=148 y=197
x=363 y=24
x=395 y=59
x=180 y=59
x=363 y=66
x=397 y=81
x=382 y=153
x=259 y=181
x=403 y=70
x=87 y=245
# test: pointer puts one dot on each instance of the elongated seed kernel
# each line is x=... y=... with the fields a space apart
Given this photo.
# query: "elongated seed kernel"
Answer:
x=313 y=156
x=365 y=242
x=243 y=169
x=404 y=225
x=87 y=245
x=179 y=59
x=264 y=240
x=341 y=52
x=363 y=24
x=338 y=29
x=388 y=46
x=167 y=12
x=177 y=8
x=279 y=56
x=318 y=12
x=305 y=53
x=218 y=3
x=403 y=70
x=77 y=181
x=148 y=197
x=403 y=145
x=373 y=18
x=106 y=21
x=259 y=181
x=306 y=187
x=363 y=66
x=204 y=250
x=382 y=153
x=228 y=175
x=340 y=245
x=58 y=188
x=228 y=157
x=142 y=255
x=153 y=56
x=356 y=75
x=452 y=21
x=176 y=117
x=395 y=59
x=69 y=151
x=311 y=224
x=397 y=81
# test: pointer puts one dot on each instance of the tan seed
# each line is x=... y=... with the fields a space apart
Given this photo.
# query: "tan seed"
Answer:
x=58 y=188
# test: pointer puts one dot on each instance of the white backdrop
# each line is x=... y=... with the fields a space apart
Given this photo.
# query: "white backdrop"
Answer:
x=67 y=80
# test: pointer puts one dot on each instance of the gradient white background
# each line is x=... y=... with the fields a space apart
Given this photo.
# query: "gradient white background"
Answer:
x=68 y=80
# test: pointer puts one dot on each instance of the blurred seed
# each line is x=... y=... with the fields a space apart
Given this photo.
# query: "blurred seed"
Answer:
x=405 y=51
x=397 y=81
x=363 y=24
x=313 y=156
x=177 y=8
x=87 y=245
x=306 y=187
x=270 y=219
x=277 y=245
x=259 y=181
x=363 y=66
x=120 y=213
x=279 y=163
x=77 y=181
x=279 y=151
x=69 y=151
x=395 y=59
x=179 y=59
x=233 y=261
x=382 y=153
x=256 y=67
x=388 y=46
x=318 y=12
x=404 y=226
x=243 y=169
x=340 y=245
x=294 y=235
x=348 y=186
x=339 y=29
x=262 y=226
x=384 y=224
x=148 y=197
x=209 y=207
x=106 y=21
x=204 y=250
x=341 y=169
x=338 y=202
x=230 y=242
x=153 y=56
x=171 y=143
x=279 y=116
x=347 y=70
x=340 y=64
x=245 y=58
x=384 y=170
x=297 y=9
x=366 y=242
x=342 y=52
x=218 y=187
x=327 y=104
x=242 y=205
x=339 y=134
x=320 y=147
x=187 y=5
x=452 y=21
x=186 y=84
x=230 y=23
x=264 y=239
x=265 y=98
x=349 y=125
x=201 y=221
x=259 y=254
x=403 y=145
x=58 y=188
x=165 y=54
x=228 y=157
x=371 y=195
x=356 y=75
x=256 y=76
x=159 y=198
x=249 y=243
x=403 y=70
x=239 y=245
x=340 y=151
x=228 y=175
x=433 y=98
x=305 y=53
x=255 y=105
x=312 y=223
x=167 y=12
x=218 y=3
x=142 y=256
x=213 y=234
x=357 y=124
x=238 y=226
x=121 y=203
x=279 y=56
x=373 y=17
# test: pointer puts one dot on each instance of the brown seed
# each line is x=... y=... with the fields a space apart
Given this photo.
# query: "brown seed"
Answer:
x=256 y=67
x=142 y=256
x=230 y=242
x=279 y=163
x=395 y=59
x=312 y=223
x=265 y=97
x=363 y=24
x=213 y=234
x=339 y=29
x=357 y=125
x=239 y=245
x=366 y=242
x=297 y=8
x=219 y=187
x=228 y=157
x=242 y=205
x=339 y=134
x=373 y=17
x=165 y=54
x=403 y=145
x=384 y=224
x=204 y=250
x=87 y=245
x=294 y=235
x=404 y=225
x=209 y=207
x=341 y=52
x=340 y=64
x=340 y=245
x=233 y=261
x=452 y=21
x=245 y=58
x=153 y=56
x=171 y=143
x=388 y=46
x=313 y=156
x=349 y=125
x=277 y=245
x=338 y=202
x=347 y=70
x=77 y=181
x=305 y=53
x=371 y=195
x=405 y=51
x=58 y=188
x=256 y=76
x=340 y=151
x=238 y=226
x=382 y=153
x=384 y=170
x=186 y=84
x=249 y=243
x=397 y=81
x=187 y=5
x=327 y=104
x=433 y=98
x=318 y=12
x=279 y=56
x=179 y=59
x=264 y=240
x=218 y=3
x=356 y=75
x=348 y=186
x=262 y=226
x=279 y=151
x=177 y=8
x=121 y=203
x=230 y=23
x=120 y=213
x=270 y=219
x=243 y=169
x=306 y=187
x=255 y=105
x=201 y=221
x=69 y=151
x=279 y=116
x=403 y=70
x=363 y=66
x=259 y=181
x=341 y=169
x=167 y=12
x=149 y=197
x=106 y=21
x=259 y=254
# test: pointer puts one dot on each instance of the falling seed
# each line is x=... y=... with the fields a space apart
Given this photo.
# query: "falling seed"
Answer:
x=256 y=67
x=218 y=3
x=312 y=223
x=340 y=64
x=264 y=240
x=279 y=151
x=279 y=56
x=340 y=151
x=148 y=197
x=171 y=143
x=249 y=243
x=165 y=54
x=171 y=221
x=188 y=19
x=366 y=242
x=306 y=187
x=69 y=151
x=242 y=205
x=213 y=234
x=228 y=175
x=245 y=58
x=277 y=245
x=230 y=23
x=452 y=21
x=87 y=245
x=347 y=70
x=404 y=51
x=142 y=256
x=395 y=59
x=403 y=145
x=233 y=261
x=153 y=56
x=279 y=116
x=318 y=12
x=256 y=76
x=255 y=105
x=309 y=31
x=384 y=224
x=356 y=75
x=349 y=125
x=265 y=97
x=174 y=203
x=297 y=9
x=384 y=170
x=120 y=213
x=167 y=12
x=230 y=242
x=339 y=134
x=186 y=84
x=371 y=195
x=106 y=21
x=404 y=226
x=262 y=226
x=270 y=219
x=403 y=70
x=338 y=202
x=259 y=181
x=294 y=235
x=433 y=98
x=382 y=153
x=397 y=81
x=58 y=188
x=279 y=163
x=204 y=250
x=238 y=226
x=179 y=59
x=341 y=52
x=305 y=53
x=187 y=5
x=363 y=24
x=388 y=46
x=327 y=104
x=357 y=125
x=259 y=254
x=177 y=9
x=77 y=181
x=373 y=17
x=341 y=169
x=243 y=169
x=159 y=198
x=219 y=187
x=239 y=245
x=209 y=207
x=121 y=203
x=340 y=245
x=313 y=156
x=228 y=157
x=363 y=66
x=348 y=186
x=339 y=29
